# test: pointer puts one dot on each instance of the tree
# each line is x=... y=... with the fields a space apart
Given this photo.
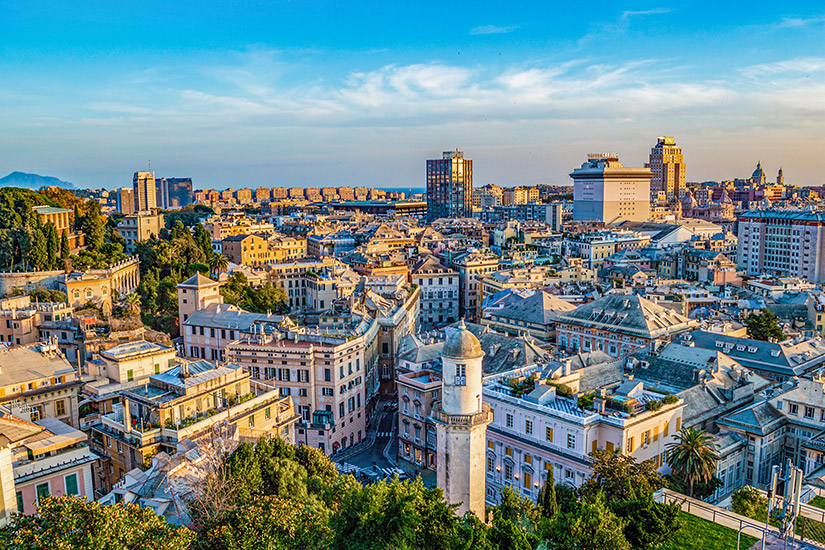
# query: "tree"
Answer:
x=591 y=526
x=764 y=326
x=38 y=252
x=64 y=245
x=132 y=302
x=648 y=523
x=71 y=522
x=619 y=476
x=693 y=456
x=268 y=523
x=204 y=240
x=547 y=497
x=749 y=502
x=52 y=245
x=93 y=225
x=218 y=264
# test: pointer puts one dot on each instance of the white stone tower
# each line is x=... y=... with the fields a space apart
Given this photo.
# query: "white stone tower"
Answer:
x=461 y=424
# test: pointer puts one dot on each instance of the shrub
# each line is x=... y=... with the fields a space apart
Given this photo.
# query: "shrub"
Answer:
x=670 y=399
x=653 y=405
x=749 y=502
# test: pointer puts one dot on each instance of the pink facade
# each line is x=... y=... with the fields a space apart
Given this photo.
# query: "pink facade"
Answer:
x=57 y=486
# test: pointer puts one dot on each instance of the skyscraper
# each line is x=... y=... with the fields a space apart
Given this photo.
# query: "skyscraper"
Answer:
x=449 y=186
x=174 y=192
x=668 y=168
x=126 y=200
x=604 y=190
x=143 y=184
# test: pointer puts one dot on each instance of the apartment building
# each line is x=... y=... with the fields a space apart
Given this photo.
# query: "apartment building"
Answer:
x=39 y=380
x=472 y=267
x=329 y=371
x=20 y=319
x=207 y=331
x=139 y=227
x=439 y=293
x=249 y=250
x=291 y=277
x=286 y=248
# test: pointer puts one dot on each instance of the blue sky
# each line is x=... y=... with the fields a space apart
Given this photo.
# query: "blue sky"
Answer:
x=305 y=93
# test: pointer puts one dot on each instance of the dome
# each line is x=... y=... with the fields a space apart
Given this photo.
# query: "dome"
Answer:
x=758 y=173
x=462 y=344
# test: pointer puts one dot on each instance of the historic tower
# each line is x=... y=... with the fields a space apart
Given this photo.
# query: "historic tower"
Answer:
x=461 y=423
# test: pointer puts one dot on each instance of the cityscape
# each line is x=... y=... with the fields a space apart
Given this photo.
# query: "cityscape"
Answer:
x=412 y=301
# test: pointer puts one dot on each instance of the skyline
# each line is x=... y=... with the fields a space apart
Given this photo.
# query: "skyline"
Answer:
x=303 y=94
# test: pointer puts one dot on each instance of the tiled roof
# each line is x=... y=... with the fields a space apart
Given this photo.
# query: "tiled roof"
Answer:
x=625 y=313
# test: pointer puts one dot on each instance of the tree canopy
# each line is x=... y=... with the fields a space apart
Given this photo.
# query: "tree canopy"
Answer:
x=764 y=326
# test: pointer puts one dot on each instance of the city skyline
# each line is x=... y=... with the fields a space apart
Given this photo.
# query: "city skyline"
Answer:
x=306 y=94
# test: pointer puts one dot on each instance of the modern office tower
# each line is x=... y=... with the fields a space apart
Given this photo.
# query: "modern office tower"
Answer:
x=449 y=186
x=604 y=190
x=126 y=200
x=668 y=168
x=174 y=192
x=145 y=190
x=784 y=243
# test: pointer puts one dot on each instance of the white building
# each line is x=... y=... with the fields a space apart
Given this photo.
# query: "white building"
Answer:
x=605 y=190
x=439 y=294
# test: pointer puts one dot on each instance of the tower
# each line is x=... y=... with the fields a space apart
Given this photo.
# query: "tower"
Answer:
x=145 y=191
x=668 y=167
x=780 y=178
x=607 y=191
x=195 y=294
x=461 y=424
x=449 y=186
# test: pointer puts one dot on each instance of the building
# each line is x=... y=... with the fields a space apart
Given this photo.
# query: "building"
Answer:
x=207 y=331
x=534 y=316
x=262 y=194
x=449 y=186
x=617 y=324
x=785 y=243
x=39 y=380
x=197 y=293
x=471 y=268
x=185 y=402
x=519 y=195
x=461 y=420
x=249 y=250
x=439 y=293
x=97 y=285
x=126 y=200
x=415 y=209
x=12 y=432
x=139 y=227
x=56 y=461
x=287 y=248
x=61 y=218
x=20 y=319
x=604 y=190
x=669 y=169
x=145 y=191
x=174 y=192
x=328 y=370
x=244 y=196
x=330 y=244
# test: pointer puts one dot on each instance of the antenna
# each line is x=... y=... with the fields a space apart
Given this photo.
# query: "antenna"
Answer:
x=150 y=165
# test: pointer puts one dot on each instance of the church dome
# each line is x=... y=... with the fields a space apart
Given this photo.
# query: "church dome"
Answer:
x=462 y=344
x=689 y=200
x=725 y=198
x=758 y=173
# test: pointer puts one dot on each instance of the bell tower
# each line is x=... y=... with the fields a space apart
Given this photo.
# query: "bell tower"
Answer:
x=461 y=424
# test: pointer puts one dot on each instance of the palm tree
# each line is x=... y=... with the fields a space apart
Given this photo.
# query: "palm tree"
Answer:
x=132 y=301
x=218 y=264
x=693 y=455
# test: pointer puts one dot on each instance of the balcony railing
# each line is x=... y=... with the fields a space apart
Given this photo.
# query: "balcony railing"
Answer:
x=482 y=417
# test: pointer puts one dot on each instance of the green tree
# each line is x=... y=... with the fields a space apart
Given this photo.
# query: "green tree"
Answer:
x=52 y=246
x=267 y=523
x=620 y=477
x=132 y=302
x=693 y=456
x=204 y=240
x=178 y=230
x=38 y=252
x=93 y=225
x=764 y=326
x=591 y=526
x=218 y=264
x=648 y=523
x=547 y=497
x=64 y=245
x=749 y=502
x=71 y=522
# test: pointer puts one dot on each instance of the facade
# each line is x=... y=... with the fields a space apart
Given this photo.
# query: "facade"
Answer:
x=126 y=200
x=604 y=190
x=12 y=431
x=249 y=250
x=41 y=381
x=785 y=243
x=669 y=169
x=56 y=461
x=20 y=319
x=207 y=331
x=439 y=293
x=328 y=371
x=145 y=191
x=61 y=218
x=617 y=324
x=471 y=268
x=519 y=195
x=286 y=248
x=196 y=293
x=139 y=227
x=174 y=192
x=461 y=419
x=449 y=186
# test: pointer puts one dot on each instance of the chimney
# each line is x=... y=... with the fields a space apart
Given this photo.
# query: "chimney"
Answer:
x=127 y=418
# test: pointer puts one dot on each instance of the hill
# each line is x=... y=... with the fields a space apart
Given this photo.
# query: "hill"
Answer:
x=33 y=181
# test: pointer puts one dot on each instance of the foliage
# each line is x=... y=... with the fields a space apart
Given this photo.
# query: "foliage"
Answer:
x=40 y=294
x=701 y=489
x=71 y=522
x=567 y=497
x=591 y=526
x=267 y=523
x=586 y=401
x=188 y=215
x=670 y=399
x=562 y=389
x=520 y=385
x=649 y=523
x=749 y=502
x=547 y=502
x=653 y=405
x=764 y=326
x=620 y=477
x=693 y=456
x=268 y=297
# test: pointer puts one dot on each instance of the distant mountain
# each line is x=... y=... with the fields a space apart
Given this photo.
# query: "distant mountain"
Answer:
x=33 y=181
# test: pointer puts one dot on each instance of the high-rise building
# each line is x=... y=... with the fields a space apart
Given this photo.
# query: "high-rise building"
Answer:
x=174 y=192
x=604 y=190
x=126 y=200
x=668 y=168
x=449 y=186
x=145 y=190
x=461 y=424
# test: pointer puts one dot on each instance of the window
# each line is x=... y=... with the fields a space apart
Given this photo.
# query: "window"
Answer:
x=646 y=438
x=71 y=484
x=490 y=445
x=528 y=459
x=491 y=464
x=509 y=420
x=548 y=434
x=528 y=427
x=508 y=451
x=59 y=408
x=527 y=480
x=42 y=491
x=461 y=376
x=252 y=421
x=20 y=502
x=793 y=408
x=630 y=444
x=571 y=441
x=130 y=375
x=157 y=368
x=508 y=471
x=327 y=375
x=267 y=413
x=809 y=412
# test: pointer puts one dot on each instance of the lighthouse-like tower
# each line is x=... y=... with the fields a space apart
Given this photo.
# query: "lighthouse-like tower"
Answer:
x=461 y=424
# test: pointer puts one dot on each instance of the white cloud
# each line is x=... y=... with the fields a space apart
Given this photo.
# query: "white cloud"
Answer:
x=493 y=29
x=795 y=22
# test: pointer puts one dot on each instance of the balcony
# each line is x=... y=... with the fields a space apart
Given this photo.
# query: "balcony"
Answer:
x=485 y=416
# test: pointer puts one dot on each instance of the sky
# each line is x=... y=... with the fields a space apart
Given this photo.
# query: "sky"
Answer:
x=305 y=93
